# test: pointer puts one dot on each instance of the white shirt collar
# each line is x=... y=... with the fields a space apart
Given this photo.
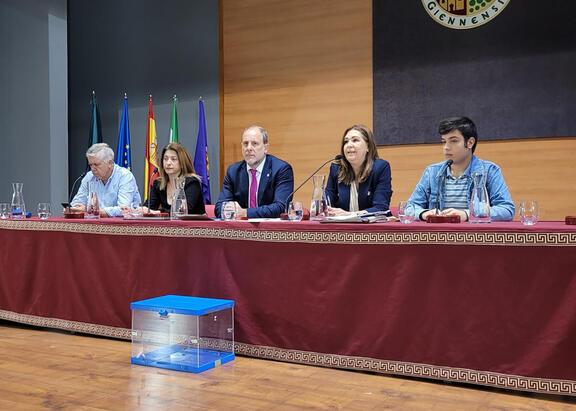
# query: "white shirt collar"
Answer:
x=258 y=169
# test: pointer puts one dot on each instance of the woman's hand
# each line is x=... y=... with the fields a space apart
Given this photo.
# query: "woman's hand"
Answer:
x=333 y=211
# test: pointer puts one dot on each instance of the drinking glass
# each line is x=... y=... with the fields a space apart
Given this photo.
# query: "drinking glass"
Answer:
x=5 y=211
x=295 y=211
x=44 y=211
x=406 y=212
x=228 y=210
x=528 y=212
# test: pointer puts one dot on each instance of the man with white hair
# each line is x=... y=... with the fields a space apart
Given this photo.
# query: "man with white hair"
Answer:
x=115 y=186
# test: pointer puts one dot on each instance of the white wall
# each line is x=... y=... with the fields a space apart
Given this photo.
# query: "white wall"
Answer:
x=33 y=100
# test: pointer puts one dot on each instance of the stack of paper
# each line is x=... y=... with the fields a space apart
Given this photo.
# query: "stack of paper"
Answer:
x=376 y=217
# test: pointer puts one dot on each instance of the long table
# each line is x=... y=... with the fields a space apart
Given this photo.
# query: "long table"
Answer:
x=491 y=304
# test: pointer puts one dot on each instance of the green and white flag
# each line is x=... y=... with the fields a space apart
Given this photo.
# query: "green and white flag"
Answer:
x=174 y=123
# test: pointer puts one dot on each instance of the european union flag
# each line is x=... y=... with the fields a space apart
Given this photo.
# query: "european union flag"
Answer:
x=123 y=158
x=201 y=163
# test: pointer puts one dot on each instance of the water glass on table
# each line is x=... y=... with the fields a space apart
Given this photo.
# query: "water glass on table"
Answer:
x=44 y=211
x=406 y=212
x=528 y=212
x=228 y=210
x=295 y=211
x=5 y=211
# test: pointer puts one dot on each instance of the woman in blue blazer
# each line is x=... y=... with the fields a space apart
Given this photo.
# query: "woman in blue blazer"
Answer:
x=360 y=182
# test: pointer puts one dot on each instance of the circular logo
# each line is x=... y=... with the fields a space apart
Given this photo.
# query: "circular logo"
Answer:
x=464 y=14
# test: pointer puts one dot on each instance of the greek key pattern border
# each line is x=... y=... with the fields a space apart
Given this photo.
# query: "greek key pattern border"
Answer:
x=68 y=325
x=323 y=237
x=462 y=375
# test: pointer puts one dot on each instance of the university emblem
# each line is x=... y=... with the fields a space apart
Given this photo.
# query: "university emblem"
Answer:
x=464 y=14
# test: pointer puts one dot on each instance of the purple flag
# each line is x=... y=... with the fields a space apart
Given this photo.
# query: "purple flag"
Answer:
x=201 y=163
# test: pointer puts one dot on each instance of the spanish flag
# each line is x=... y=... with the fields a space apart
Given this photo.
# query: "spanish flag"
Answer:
x=151 y=163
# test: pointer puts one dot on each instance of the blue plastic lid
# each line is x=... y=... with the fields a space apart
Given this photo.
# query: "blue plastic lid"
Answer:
x=181 y=304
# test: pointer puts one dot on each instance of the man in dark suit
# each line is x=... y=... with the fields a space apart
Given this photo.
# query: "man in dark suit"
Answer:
x=261 y=183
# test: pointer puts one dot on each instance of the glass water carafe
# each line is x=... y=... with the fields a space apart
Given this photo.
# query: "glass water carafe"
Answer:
x=179 y=205
x=319 y=204
x=92 y=203
x=18 y=207
x=479 y=201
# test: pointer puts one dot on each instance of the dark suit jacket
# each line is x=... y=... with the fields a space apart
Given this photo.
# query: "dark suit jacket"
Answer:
x=194 y=198
x=373 y=194
x=276 y=184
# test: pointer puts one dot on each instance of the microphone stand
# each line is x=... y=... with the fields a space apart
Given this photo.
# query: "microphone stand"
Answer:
x=338 y=157
x=441 y=181
x=67 y=205
x=436 y=217
x=150 y=187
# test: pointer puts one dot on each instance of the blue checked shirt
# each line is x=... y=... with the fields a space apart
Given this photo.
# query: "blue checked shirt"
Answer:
x=425 y=198
x=120 y=190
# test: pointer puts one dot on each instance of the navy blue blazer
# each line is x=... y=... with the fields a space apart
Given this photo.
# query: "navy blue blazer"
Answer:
x=373 y=194
x=276 y=184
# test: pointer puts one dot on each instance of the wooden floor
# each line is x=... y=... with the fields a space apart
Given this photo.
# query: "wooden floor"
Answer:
x=46 y=369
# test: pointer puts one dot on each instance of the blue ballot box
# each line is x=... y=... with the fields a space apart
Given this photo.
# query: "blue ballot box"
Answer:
x=182 y=333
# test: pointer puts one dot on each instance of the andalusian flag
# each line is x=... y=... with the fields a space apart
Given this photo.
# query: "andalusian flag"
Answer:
x=151 y=163
x=123 y=158
x=201 y=163
x=174 y=123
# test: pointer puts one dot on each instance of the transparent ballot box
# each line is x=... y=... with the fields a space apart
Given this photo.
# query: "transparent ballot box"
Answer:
x=182 y=333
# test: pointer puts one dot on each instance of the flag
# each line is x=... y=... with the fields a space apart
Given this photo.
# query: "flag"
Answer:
x=151 y=150
x=123 y=158
x=95 y=125
x=174 y=123
x=201 y=163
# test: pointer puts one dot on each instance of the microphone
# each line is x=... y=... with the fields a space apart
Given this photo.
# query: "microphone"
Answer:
x=338 y=157
x=80 y=177
x=441 y=178
x=150 y=187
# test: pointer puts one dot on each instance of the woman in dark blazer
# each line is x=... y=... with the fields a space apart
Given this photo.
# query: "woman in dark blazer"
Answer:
x=175 y=163
x=360 y=182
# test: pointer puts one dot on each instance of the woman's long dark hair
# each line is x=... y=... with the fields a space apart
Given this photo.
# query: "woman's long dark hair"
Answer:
x=346 y=173
x=186 y=165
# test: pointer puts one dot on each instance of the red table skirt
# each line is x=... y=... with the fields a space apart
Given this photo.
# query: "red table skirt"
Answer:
x=492 y=304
